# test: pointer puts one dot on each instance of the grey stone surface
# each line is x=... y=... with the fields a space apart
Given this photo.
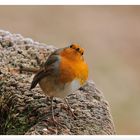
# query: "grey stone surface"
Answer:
x=28 y=112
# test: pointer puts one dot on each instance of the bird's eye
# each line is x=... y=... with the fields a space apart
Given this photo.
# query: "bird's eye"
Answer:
x=71 y=46
x=82 y=53
x=77 y=49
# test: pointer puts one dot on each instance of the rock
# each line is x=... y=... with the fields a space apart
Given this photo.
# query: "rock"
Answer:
x=28 y=112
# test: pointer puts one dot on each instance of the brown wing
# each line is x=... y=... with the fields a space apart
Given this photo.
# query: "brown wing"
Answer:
x=37 y=78
x=50 y=68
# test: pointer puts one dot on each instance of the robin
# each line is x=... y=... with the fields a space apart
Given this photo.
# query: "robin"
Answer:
x=64 y=72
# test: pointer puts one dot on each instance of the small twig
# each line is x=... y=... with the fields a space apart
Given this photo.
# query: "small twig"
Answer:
x=38 y=60
x=27 y=69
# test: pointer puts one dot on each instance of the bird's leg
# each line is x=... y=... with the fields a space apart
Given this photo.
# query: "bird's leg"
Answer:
x=52 y=111
x=54 y=121
x=70 y=108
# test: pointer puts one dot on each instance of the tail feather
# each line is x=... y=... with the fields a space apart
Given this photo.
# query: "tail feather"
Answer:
x=40 y=75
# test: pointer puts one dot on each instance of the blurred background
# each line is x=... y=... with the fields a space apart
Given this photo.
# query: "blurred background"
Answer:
x=111 y=38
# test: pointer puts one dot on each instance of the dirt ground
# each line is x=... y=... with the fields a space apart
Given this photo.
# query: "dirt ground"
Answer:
x=111 y=38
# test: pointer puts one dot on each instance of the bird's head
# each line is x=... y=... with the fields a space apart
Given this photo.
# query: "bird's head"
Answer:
x=74 y=51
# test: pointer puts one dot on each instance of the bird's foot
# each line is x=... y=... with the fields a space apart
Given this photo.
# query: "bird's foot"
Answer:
x=70 y=109
x=56 y=123
x=72 y=112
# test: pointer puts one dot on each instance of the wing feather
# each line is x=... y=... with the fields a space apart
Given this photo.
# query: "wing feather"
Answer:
x=50 y=68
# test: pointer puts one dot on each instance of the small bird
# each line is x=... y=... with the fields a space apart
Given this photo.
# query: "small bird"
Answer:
x=64 y=72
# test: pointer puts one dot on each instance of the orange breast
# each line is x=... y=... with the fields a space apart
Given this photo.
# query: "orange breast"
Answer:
x=73 y=69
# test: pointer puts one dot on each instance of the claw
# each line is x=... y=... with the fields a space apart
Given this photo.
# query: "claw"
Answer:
x=70 y=109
